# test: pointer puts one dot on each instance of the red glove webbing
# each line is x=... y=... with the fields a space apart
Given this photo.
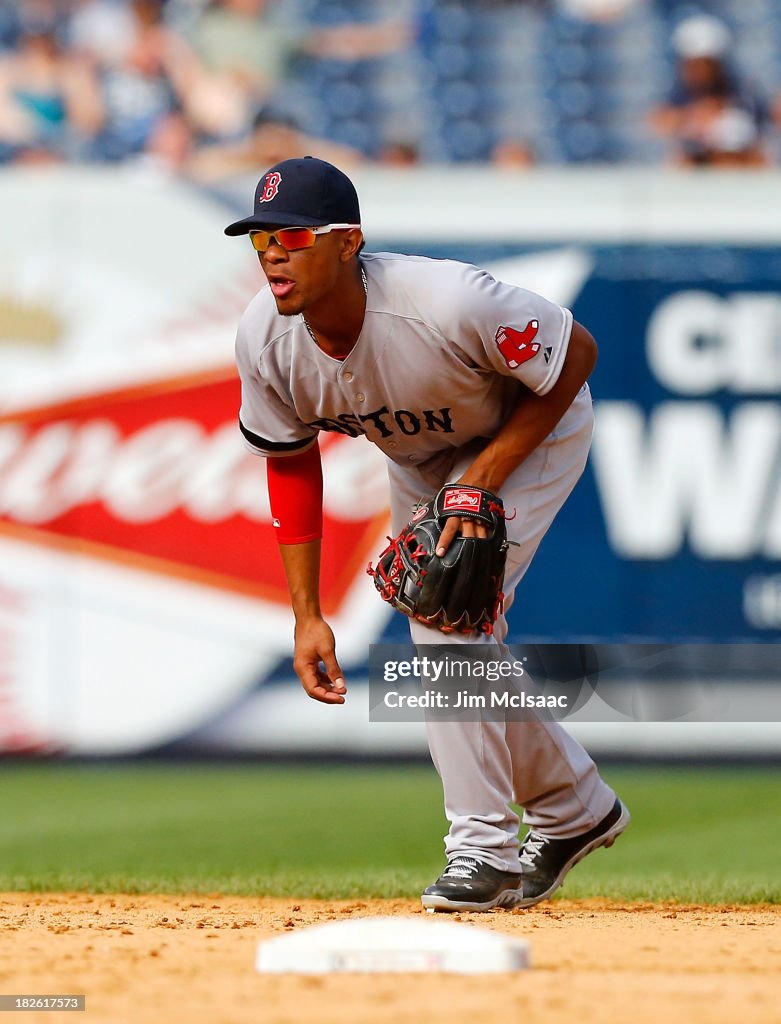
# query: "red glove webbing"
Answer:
x=295 y=491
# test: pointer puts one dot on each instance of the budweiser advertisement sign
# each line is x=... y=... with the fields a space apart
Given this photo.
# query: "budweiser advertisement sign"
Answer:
x=142 y=595
x=144 y=496
x=156 y=477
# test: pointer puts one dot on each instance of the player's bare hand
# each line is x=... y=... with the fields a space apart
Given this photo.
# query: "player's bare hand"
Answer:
x=454 y=526
x=315 y=661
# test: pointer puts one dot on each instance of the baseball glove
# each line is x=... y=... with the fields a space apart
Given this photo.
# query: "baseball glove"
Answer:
x=461 y=591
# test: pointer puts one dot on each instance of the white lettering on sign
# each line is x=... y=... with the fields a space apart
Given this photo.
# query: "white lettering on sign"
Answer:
x=168 y=465
x=698 y=343
x=151 y=477
x=173 y=464
x=685 y=471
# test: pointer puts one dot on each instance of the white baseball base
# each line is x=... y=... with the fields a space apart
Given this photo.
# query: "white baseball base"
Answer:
x=398 y=945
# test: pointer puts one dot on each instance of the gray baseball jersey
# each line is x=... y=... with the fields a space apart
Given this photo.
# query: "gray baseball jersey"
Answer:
x=437 y=364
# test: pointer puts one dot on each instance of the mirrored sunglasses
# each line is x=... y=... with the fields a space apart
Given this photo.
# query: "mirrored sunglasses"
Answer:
x=294 y=238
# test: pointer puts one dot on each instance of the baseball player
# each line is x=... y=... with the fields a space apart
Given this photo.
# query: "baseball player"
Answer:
x=456 y=377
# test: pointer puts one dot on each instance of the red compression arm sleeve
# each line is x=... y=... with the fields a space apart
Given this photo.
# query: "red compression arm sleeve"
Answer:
x=295 y=491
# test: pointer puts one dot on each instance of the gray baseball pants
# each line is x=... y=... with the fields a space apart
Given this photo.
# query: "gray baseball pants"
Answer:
x=485 y=766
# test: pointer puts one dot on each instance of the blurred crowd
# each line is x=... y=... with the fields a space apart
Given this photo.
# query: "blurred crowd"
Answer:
x=181 y=84
x=197 y=87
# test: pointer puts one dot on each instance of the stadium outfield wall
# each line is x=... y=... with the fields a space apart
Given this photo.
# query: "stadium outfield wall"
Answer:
x=142 y=603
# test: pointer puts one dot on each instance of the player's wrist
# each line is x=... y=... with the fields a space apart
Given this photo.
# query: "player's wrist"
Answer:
x=496 y=463
x=308 y=616
x=487 y=479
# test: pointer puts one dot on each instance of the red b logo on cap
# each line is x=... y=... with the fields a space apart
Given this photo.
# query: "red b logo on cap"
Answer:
x=271 y=187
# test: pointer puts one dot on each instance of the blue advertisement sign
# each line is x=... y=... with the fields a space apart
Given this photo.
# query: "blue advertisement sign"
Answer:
x=674 y=532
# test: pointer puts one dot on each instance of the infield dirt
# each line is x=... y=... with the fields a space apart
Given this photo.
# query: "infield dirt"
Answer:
x=177 y=959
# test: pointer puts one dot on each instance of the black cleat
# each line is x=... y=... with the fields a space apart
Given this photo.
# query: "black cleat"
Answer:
x=469 y=884
x=545 y=861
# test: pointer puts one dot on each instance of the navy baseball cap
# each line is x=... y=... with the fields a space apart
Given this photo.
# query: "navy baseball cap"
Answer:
x=304 y=192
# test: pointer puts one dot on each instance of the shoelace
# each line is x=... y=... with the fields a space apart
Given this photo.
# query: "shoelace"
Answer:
x=533 y=845
x=461 y=867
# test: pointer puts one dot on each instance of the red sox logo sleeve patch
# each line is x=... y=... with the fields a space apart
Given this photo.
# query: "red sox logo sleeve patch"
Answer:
x=516 y=346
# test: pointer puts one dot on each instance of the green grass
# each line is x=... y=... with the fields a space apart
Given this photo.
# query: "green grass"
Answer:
x=700 y=835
